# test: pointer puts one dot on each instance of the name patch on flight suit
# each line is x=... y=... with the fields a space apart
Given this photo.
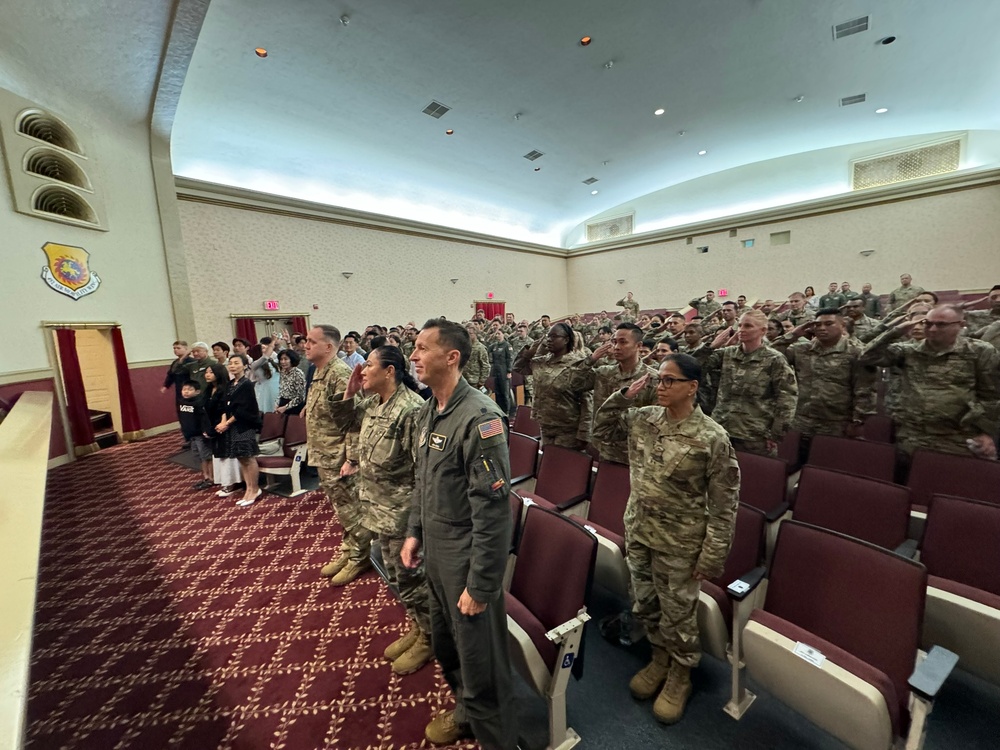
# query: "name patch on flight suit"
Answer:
x=438 y=441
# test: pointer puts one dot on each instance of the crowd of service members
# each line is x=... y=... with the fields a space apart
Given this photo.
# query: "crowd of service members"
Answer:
x=412 y=452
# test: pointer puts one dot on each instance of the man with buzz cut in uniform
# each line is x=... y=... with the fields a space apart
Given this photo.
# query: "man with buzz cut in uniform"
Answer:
x=460 y=524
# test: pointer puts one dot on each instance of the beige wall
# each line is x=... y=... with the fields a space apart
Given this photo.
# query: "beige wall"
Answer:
x=236 y=258
x=129 y=258
x=949 y=241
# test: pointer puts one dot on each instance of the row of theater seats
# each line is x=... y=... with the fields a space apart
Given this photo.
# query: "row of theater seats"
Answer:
x=842 y=591
x=282 y=440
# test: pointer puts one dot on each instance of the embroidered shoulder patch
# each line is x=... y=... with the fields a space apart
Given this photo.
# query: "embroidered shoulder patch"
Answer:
x=491 y=429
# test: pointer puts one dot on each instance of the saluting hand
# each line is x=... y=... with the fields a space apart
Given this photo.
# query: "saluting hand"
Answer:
x=354 y=383
x=636 y=388
x=803 y=328
x=907 y=324
x=469 y=606
x=602 y=351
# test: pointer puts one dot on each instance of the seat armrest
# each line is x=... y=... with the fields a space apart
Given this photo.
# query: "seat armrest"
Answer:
x=558 y=634
x=743 y=586
x=777 y=511
x=931 y=673
x=907 y=549
x=571 y=502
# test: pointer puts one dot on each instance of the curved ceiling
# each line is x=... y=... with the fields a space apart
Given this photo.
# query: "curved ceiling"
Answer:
x=333 y=114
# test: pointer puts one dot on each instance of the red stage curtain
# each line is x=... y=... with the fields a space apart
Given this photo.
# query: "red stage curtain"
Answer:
x=131 y=427
x=299 y=325
x=76 y=395
x=245 y=329
x=491 y=309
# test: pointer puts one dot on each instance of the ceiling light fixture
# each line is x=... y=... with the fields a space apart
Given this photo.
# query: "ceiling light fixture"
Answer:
x=887 y=40
x=454 y=281
x=609 y=64
x=702 y=152
x=344 y=20
x=517 y=115
x=659 y=111
x=538 y=169
x=799 y=99
x=347 y=274
x=260 y=52
x=881 y=110
x=681 y=132
x=449 y=131
x=585 y=41
x=593 y=192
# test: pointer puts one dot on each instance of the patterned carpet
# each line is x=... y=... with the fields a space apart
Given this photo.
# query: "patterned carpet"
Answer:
x=169 y=618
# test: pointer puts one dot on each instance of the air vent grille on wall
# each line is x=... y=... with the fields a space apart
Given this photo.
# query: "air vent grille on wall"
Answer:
x=590 y=181
x=532 y=155
x=847 y=101
x=50 y=176
x=925 y=161
x=436 y=109
x=610 y=229
x=849 y=28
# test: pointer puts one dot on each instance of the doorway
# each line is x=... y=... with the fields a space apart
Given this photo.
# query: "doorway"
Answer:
x=100 y=380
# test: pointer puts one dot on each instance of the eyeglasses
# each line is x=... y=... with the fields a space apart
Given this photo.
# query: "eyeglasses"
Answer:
x=666 y=381
x=556 y=336
x=941 y=324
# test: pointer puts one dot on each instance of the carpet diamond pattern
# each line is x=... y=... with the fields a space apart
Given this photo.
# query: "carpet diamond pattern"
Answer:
x=170 y=618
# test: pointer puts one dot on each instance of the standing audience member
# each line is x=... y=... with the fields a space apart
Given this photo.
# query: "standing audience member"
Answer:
x=630 y=305
x=501 y=366
x=833 y=298
x=461 y=521
x=192 y=417
x=873 y=305
x=225 y=471
x=477 y=369
x=388 y=440
x=684 y=493
x=706 y=304
x=812 y=301
x=265 y=377
x=239 y=426
x=177 y=373
x=352 y=356
x=903 y=293
x=220 y=350
x=291 y=383
x=200 y=362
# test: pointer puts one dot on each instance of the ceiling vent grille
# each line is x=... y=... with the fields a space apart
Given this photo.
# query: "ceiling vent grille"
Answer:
x=924 y=161
x=45 y=158
x=590 y=181
x=610 y=229
x=847 y=101
x=532 y=155
x=850 y=28
x=436 y=110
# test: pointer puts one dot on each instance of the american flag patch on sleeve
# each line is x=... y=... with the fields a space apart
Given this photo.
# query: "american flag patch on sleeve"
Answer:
x=491 y=429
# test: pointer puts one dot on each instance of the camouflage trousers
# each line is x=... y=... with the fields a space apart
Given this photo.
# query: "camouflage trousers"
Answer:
x=412 y=584
x=343 y=496
x=665 y=601
x=566 y=438
x=753 y=446
x=908 y=441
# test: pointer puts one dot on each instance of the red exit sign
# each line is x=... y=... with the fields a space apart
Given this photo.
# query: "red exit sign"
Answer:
x=722 y=293
x=270 y=304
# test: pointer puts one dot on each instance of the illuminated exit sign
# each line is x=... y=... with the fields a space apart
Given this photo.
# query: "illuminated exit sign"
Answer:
x=270 y=304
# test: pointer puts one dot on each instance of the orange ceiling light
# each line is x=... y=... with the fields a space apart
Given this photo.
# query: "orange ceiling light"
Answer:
x=260 y=52
x=584 y=41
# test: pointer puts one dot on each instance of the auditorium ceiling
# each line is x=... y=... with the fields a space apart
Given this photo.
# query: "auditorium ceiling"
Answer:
x=334 y=113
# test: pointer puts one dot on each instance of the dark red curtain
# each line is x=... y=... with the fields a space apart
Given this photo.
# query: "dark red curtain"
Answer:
x=245 y=329
x=131 y=427
x=491 y=309
x=299 y=325
x=76 y=395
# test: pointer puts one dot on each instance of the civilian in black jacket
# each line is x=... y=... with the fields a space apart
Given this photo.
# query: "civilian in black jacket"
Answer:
x=238 y=427
x=191 y=412
x=177 y=375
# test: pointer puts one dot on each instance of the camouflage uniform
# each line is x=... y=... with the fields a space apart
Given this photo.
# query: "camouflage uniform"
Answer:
x=707 y=390
x=477 y=369
x=834 y=387
x=977 y=320
x=603 y=380
x=684 y=494
x=407 y=348
x=332 y=439
x=797 y=317
x=755 y=400
x=538 y=331
x=865 y=328
x=945 y=397
x=386 y=456
x=562 y=412
x=630 y=305
x=704 y=307
x=517 y=343
x=902 y=295
x=990 y=334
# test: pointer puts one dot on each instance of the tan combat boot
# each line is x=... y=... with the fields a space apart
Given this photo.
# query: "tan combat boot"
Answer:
x=647 y=680
x=444 y=731
x=415 y=657
x=400 y=646
x=335 y=565
x=670 y=703
x=350 y=571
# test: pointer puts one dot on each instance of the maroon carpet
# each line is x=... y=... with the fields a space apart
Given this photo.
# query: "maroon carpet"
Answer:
x=171 y=618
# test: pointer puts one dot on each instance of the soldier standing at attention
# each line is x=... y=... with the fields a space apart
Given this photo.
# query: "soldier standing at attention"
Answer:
x=904 y=292
x=388 y=444
x=756 y=391
x=705 y=305
x=630 y=305
x=948 y=390
x=328 y=436
x=832 y=298
x=460 y=519
x=685 y=490
x=836 y=392
x=873 y=305
x=501 y=366
x=477 y=369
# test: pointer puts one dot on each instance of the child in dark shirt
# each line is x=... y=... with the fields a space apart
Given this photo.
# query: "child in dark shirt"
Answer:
x=191 y=409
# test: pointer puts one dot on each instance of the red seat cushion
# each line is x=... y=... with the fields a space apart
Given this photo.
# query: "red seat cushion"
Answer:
x=534 y=628
x=836 y=655
x=274 y=462
x=960 y=589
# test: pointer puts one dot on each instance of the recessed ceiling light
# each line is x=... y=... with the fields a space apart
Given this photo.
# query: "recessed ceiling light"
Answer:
x=449 y=131
x=887 y=40
x=260 y=52
x=702 y=152
x=538 y=169
x=584 y=41
x=593 y=192
x=659 y=111
x=881 y=110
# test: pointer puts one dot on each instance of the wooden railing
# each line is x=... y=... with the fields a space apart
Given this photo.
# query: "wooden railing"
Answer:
x=24 y=453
